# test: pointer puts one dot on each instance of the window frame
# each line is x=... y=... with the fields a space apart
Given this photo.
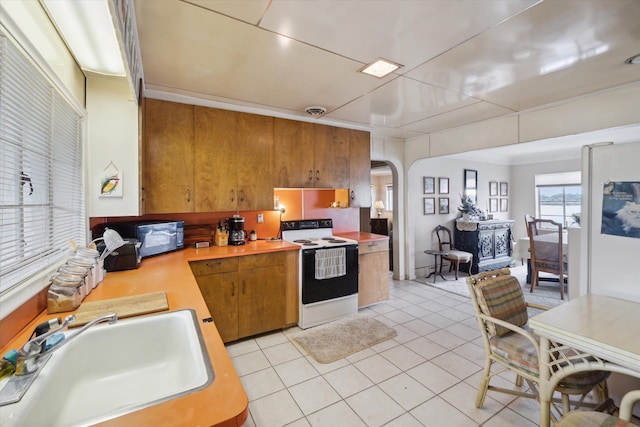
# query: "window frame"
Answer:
x=62 y=102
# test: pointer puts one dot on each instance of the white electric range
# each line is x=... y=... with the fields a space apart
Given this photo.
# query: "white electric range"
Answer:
x=328 y=271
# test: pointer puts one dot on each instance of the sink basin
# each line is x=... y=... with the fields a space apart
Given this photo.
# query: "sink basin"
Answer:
x=112 y=370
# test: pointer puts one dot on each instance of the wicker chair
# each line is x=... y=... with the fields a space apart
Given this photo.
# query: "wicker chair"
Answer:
x=501 y=312
x=604 y=418
x=546 y=251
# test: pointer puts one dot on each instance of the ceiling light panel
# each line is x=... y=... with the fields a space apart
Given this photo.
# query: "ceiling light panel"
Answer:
x=87 y=29
x=380 y=68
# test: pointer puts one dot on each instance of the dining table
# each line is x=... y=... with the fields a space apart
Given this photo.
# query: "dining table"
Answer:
x=590 y=332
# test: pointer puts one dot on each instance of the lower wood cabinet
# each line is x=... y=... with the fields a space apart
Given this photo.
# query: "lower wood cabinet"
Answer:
x=488 y=241
x=250 y=294
x=373 y=277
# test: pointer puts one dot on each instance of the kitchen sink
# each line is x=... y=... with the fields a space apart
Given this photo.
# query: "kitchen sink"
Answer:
x=112 y=370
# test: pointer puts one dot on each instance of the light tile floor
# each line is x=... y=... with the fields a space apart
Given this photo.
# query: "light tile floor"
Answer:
x=426 y=376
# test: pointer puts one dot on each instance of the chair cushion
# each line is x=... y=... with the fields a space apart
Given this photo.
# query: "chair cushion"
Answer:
x=501 y=297
x=460 y=256
x=517 y=351
x=591 y=419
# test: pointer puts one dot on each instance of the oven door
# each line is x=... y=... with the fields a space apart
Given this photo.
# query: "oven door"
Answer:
x=315 y=290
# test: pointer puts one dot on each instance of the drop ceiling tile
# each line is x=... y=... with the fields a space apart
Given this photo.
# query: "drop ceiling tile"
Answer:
x=406 y=32
x=461 y=116
x=248 y=11
x=400 y=102
x=550 y=52
x=211 y=54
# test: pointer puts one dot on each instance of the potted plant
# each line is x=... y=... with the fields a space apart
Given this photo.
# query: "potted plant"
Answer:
x=466 y=207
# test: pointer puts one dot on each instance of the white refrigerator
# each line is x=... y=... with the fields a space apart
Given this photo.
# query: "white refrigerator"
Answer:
x=610 y=256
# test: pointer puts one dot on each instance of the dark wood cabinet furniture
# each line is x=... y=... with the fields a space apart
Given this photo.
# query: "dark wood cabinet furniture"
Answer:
x=380 y=226
x=488 y=241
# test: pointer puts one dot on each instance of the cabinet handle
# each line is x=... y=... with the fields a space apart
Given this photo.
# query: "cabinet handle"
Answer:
x=144 y=194
x=233 y=289
x=244 y=287
x=310 y=175
x=241 y=195
x=317 y=174
x=233 y=195
x=188 y=195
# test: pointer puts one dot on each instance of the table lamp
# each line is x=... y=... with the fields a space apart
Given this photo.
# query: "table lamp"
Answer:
x=379 y=206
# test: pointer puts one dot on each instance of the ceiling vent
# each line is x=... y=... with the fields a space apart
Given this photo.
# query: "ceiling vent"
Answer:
x=315 y=110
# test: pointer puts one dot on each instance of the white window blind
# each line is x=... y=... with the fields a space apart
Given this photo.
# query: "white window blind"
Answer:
x=41 y=190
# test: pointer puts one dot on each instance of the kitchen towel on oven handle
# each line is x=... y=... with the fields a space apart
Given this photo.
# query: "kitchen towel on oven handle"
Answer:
x=331 y=263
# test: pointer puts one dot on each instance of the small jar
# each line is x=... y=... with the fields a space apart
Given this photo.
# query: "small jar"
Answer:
x=83 y=272
x=94 y=256
x=65 y=293
x=90 y=266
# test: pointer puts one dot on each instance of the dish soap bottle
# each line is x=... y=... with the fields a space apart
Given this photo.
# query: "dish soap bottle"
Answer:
x=8 y=364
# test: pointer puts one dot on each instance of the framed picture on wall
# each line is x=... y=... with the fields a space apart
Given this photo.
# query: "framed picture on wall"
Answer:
x=504 y=189
x=470 y=179
x=429 y=185
x=443 y=205
x=493 y=205
x=429 y=205
x=504 y=205
x=493 y=188
x=444 y=185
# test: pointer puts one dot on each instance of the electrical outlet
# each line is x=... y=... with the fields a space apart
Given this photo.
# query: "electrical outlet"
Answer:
x=260 y=218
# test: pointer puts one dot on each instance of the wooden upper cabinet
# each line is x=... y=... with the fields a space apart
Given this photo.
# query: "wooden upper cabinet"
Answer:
x=359 y=168
x=293 y=154
x=331 y=157
x=253 y=162
x=168 y=156
x=216 y=150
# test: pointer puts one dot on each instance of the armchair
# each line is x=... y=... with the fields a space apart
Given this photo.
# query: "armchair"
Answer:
x=501 y=312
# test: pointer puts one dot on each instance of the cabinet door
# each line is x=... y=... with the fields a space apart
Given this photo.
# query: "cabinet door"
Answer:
x=255 y=172
x=502 y=243
x=168 y=156
x=262 y=300
x=221 y=294
x=331 y=157
x=293 y=154
x=359 y=168
x=486 y=245
x=373 y=277
x=216 y=154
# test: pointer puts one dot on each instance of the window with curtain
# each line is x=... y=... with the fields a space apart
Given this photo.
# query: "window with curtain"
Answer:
x=389 y=193
x=41 y=183
x=559 y=197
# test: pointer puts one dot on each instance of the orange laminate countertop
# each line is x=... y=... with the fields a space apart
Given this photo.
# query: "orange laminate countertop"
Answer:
x=362 y=237
x=224 y=402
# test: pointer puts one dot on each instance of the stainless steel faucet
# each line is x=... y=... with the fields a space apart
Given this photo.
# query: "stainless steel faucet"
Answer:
x=31 y=358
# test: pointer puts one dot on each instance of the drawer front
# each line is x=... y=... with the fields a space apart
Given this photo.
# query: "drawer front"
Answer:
x=373 y=246
x=263 y=260
x=214 y=266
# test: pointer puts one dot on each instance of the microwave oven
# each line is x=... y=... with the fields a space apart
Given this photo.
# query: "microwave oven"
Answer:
x=154 y=237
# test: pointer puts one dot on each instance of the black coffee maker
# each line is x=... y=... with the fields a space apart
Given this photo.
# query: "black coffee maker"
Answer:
x=237 y=234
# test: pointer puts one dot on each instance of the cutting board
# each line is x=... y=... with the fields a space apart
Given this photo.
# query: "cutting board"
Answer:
x=125 y=307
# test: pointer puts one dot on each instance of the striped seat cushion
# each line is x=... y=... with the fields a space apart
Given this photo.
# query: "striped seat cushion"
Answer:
x=501 y=297
x=591 y=419
x=517 y=351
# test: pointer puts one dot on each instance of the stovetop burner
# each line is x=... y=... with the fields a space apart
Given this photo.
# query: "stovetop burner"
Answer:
x=309 y=244
x=337 y=241
x=302 y=241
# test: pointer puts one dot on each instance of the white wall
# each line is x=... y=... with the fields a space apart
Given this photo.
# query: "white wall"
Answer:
x=113 y=136
x=421 y=225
